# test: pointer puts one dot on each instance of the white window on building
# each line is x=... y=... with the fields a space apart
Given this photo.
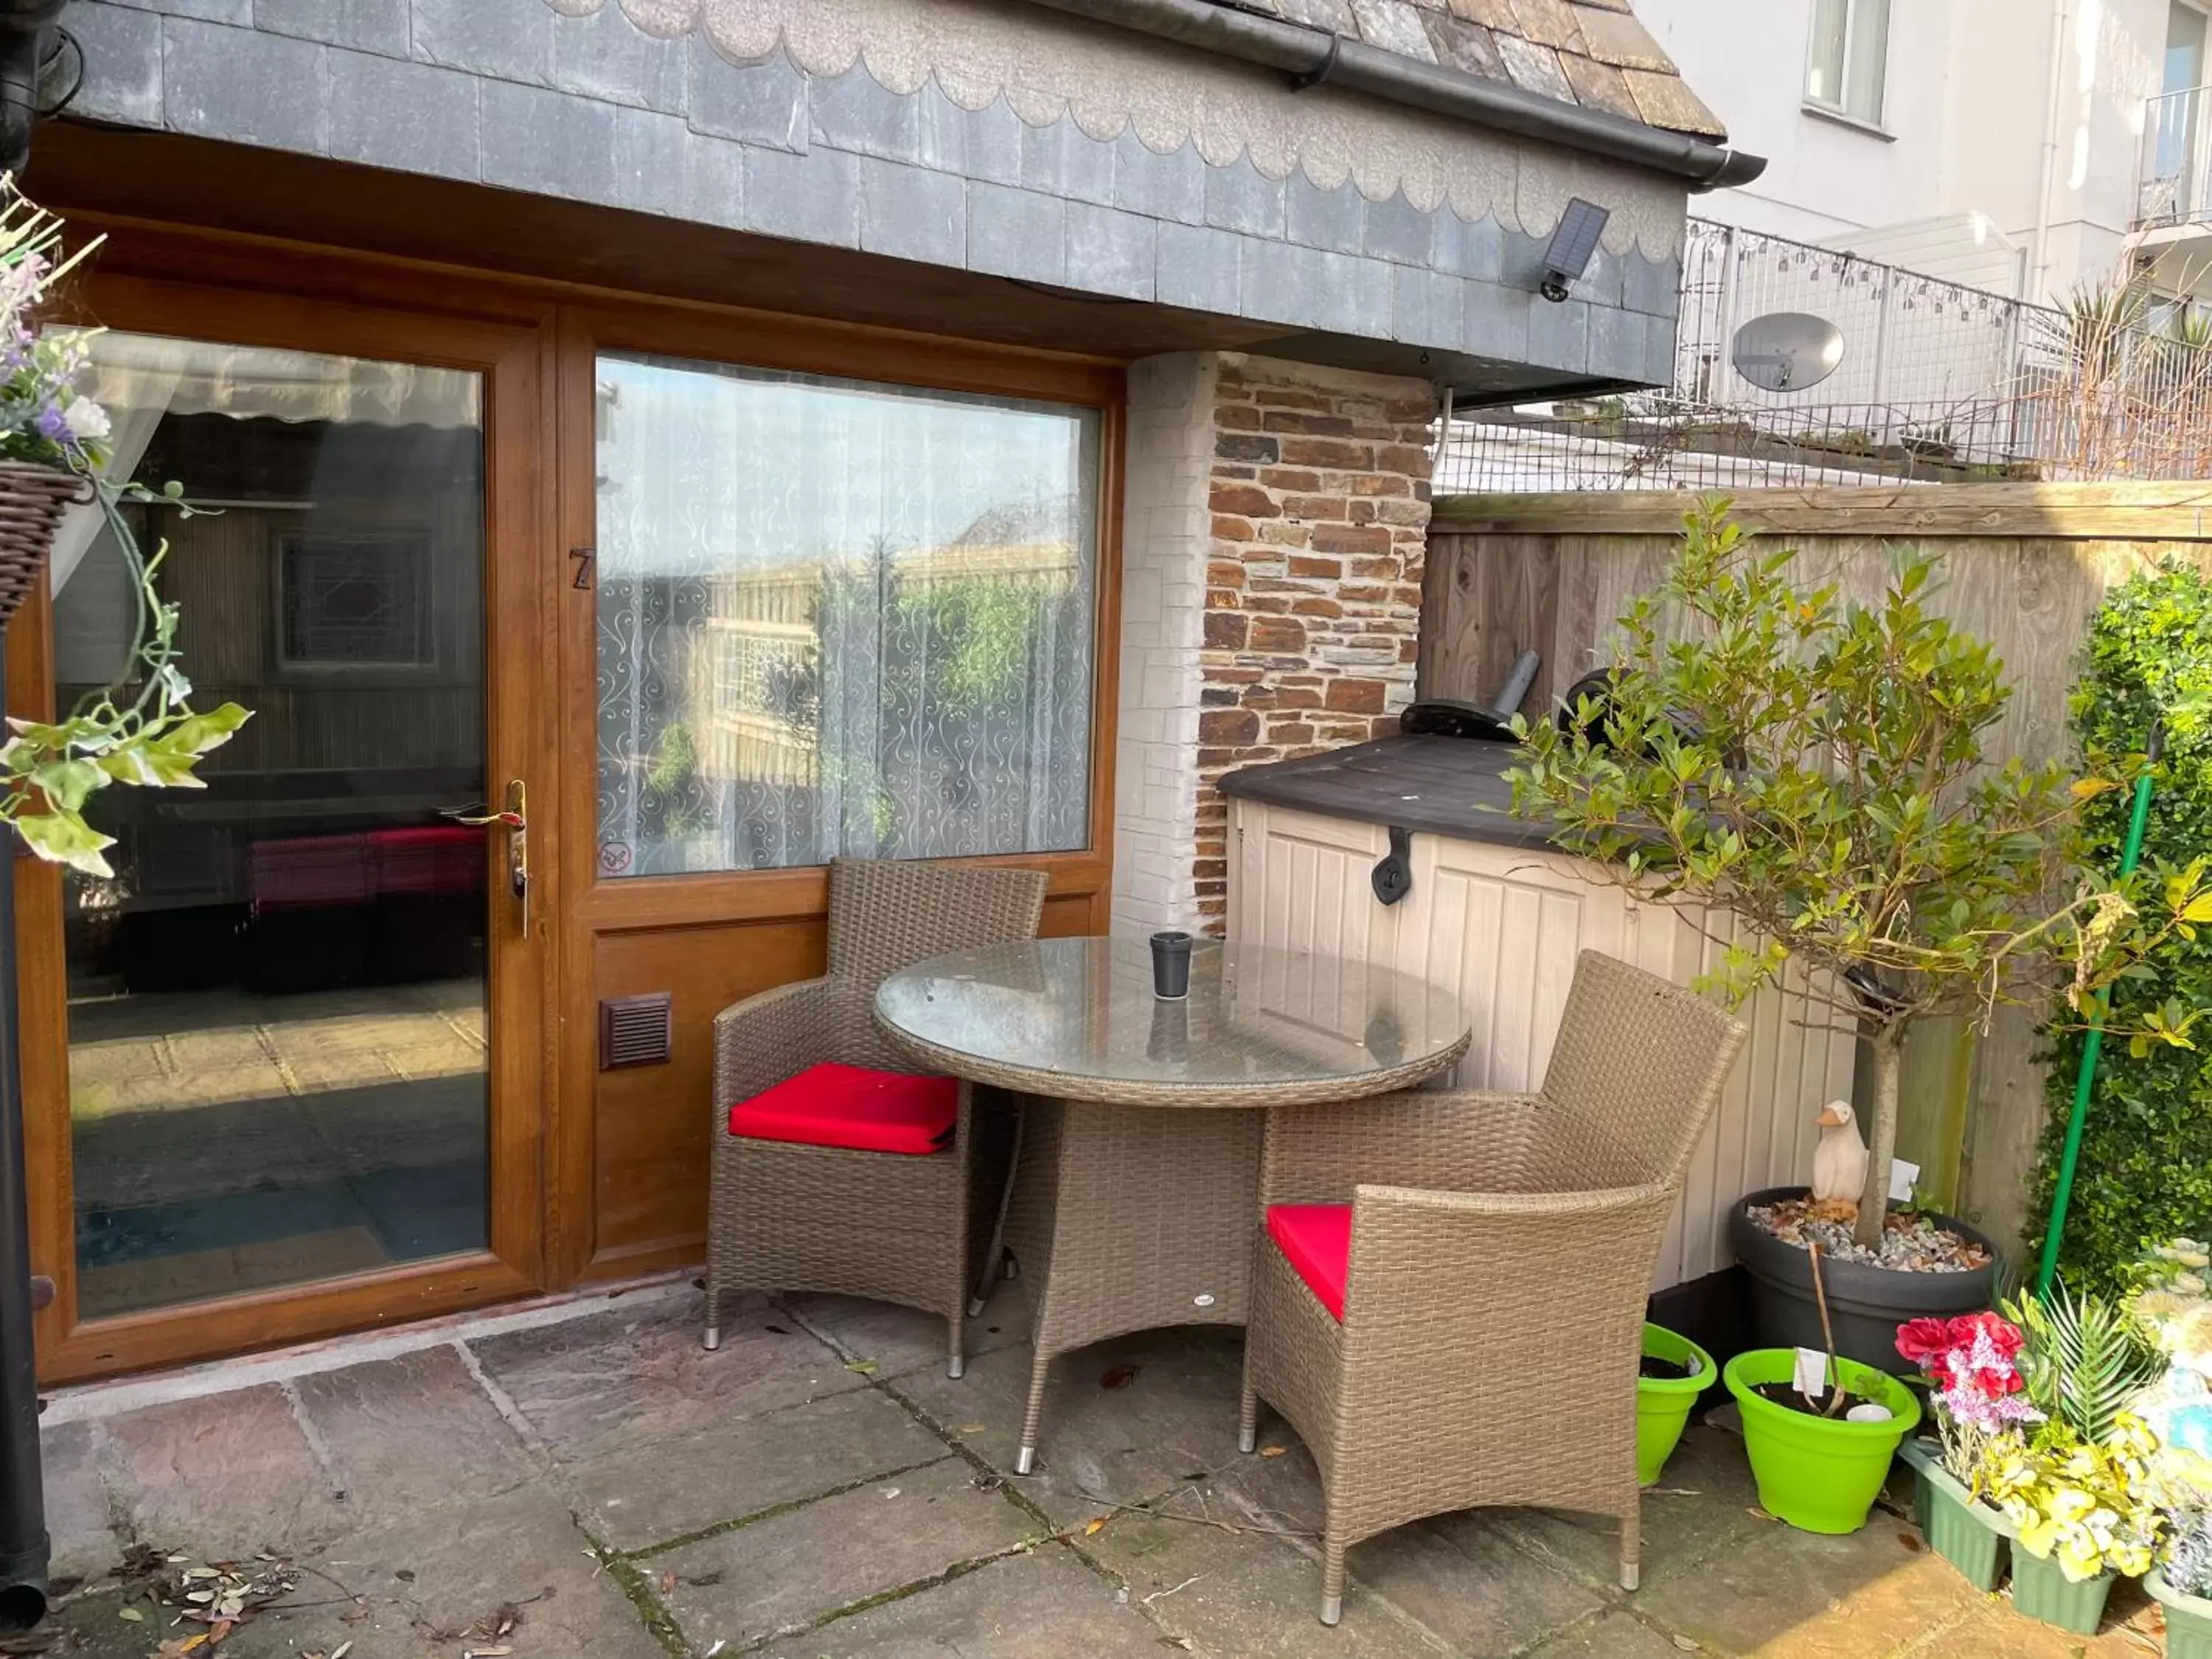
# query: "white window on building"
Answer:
x=1850 y=59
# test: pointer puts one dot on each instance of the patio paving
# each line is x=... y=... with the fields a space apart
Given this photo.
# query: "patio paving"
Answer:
x=818 y=1489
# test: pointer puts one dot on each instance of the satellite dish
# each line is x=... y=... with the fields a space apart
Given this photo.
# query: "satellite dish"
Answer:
x=1787 y=350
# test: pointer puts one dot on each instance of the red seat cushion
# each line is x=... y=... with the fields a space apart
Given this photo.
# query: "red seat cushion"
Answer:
x=850 y=1106
x=1317 y=1240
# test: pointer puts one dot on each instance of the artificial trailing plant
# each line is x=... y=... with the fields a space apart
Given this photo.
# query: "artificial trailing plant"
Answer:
x=141 y=730
x=1815 y=765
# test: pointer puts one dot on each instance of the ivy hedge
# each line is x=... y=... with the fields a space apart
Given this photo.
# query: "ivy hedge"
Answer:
x=2145 y=1167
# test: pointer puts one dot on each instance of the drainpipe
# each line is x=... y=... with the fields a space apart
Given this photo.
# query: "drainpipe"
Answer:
x=2062 y=17
x=25 y=26
x=1311 y=55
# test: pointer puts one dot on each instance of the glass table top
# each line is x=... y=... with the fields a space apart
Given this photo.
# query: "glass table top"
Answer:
x=1077 y=1017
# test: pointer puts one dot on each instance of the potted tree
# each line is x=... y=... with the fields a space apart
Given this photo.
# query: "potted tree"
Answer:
x=1815 y=766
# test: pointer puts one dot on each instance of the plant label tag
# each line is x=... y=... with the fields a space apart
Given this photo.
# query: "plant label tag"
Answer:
x=1811 y=1379
x=1903 y=1173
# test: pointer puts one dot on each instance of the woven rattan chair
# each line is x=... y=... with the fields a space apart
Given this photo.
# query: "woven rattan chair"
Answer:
x=897 y=1227
x=1491 y=1279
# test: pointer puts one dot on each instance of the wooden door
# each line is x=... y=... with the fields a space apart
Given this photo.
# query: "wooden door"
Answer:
x=288 y=1073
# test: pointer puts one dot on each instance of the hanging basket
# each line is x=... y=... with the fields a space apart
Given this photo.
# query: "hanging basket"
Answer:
x=32 y=501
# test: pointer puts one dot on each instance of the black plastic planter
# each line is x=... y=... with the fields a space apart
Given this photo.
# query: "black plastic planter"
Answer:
x=1866 y=1303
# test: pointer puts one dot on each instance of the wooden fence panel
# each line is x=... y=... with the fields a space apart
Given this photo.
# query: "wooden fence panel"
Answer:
x=2024 y=566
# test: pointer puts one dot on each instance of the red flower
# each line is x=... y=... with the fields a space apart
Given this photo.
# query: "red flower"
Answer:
x=1924 y=1341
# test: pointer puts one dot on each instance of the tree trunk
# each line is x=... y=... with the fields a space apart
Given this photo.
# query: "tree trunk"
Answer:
x=1888 y=1043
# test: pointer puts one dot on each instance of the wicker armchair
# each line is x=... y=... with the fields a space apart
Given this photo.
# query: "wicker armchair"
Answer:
x=889 y=1225
x=1500 y=1248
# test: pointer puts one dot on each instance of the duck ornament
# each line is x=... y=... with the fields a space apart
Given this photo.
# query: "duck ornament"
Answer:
x=1839 y=1164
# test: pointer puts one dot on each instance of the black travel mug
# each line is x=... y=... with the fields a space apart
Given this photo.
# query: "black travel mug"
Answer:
x=1171 y=966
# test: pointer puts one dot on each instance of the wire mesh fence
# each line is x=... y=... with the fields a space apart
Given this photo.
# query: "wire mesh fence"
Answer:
x=1797 y=365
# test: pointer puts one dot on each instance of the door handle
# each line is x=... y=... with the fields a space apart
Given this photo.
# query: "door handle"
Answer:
x=515 y=818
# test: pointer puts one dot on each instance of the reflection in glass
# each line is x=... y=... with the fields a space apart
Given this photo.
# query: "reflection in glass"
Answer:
x=837 y=618
x=276 y=1005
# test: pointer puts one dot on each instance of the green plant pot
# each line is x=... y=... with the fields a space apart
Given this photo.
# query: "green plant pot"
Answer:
x=1818 y=1474
x=1663 y=1403
x=2188 y=1619
x=2041 y=1591
x=1972 y=1535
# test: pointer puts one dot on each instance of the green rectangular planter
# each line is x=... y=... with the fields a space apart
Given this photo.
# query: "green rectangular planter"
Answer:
x=1970 y=1535
x=2188 y=1619
x=2041 y=1591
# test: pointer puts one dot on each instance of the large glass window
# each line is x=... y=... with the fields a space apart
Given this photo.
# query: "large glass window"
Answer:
x=838 y=617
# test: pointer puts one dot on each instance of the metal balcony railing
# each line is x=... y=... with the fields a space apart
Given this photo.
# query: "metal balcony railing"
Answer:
x=2174 y=184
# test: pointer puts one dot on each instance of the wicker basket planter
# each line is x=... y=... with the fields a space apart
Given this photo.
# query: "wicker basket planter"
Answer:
x=32 y=501
x=1663 y=1403
x=2188 y=1619
x=1972 y=1535
x=2041 y=1591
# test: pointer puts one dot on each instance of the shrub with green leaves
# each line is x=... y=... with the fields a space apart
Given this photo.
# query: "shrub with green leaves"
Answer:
x=2146 y=1167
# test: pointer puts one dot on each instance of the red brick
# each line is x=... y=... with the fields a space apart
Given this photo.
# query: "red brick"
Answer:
x=1230 y=726
x=1376 y=483
x=1227 y=527
x=1299 y=421
x=1385 y=569
x=1237 y=417
x=1283 y=398
x=1207 y=869
x=1296 y=697
x=1362 y=593
x=1287 y=477
x=1351 y=538
x=1220 y=598
x=1346 y=733
x=1224 y=573
x=1277 y=633
x=1290 y=734
x=1411 y=460
x=1247 y=499
x=1328 y=452
x=1225 y=631
x=1309 y=566
x=1356 y=696
x=1244 y=447
x=1315 y=607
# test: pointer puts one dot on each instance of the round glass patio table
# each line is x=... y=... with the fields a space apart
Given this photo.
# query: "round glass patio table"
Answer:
x=1132 y=1197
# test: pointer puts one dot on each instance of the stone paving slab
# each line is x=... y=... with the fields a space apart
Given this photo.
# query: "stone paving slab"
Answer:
x=401 y=1435
x=819 y=1489
x=793 y=1570
x=1124 y=1419
x=1026 y=1607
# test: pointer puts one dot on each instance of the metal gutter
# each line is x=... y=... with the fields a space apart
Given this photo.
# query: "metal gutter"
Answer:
x=1312 y=56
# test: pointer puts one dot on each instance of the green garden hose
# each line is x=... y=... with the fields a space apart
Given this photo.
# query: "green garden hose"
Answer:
x=2086 y=1078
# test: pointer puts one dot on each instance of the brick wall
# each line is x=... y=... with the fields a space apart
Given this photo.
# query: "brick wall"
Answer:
x=1319 y=501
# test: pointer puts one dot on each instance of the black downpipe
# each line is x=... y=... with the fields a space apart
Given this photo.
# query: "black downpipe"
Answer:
x=1313 y=56
x=25 y=1550
x=24 y=1547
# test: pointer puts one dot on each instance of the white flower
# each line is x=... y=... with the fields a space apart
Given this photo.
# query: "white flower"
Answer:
x=2189 y=1284
x=85 y=420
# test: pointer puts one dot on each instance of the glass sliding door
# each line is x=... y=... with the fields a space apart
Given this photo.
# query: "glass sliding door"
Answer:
x=277 y=1034
x=837 y=617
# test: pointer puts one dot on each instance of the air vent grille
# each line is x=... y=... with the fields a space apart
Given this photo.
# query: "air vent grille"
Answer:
x=635 y=1032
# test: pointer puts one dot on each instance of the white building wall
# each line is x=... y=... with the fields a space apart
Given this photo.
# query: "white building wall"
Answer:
x=1971 y=126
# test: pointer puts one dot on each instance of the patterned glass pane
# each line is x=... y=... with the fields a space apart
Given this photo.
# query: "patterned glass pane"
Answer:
x=838 y=617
